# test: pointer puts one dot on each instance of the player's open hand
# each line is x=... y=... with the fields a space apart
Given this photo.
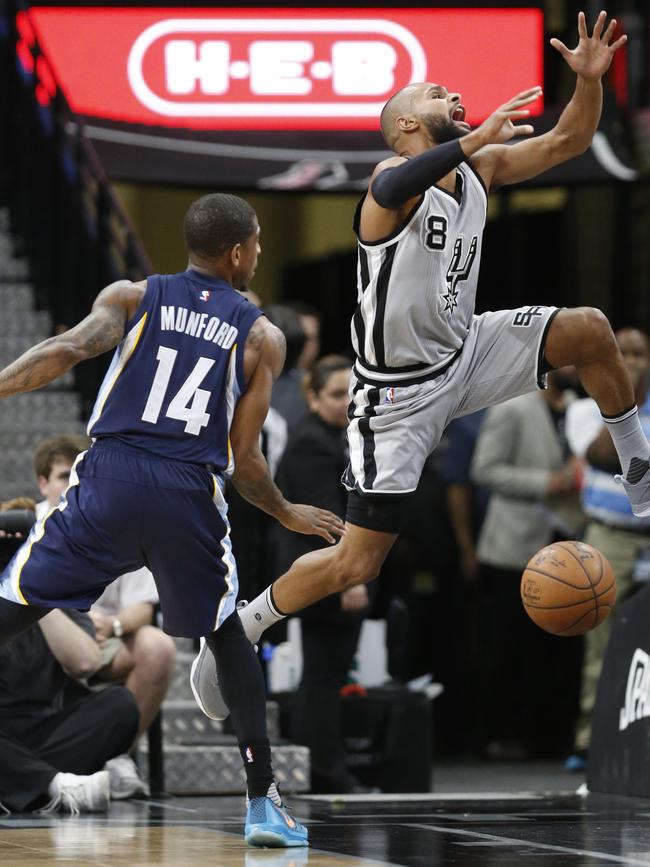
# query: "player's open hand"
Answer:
x=499 y=126
x=313 y=522
x=591 y=58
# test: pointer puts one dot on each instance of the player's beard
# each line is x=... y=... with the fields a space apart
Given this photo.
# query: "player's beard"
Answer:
x=442 y=129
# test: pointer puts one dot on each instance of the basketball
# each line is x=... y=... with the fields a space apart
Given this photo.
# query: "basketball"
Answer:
x=568 y=588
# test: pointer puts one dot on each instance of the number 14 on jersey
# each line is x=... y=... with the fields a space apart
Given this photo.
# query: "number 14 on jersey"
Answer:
x=189 y=403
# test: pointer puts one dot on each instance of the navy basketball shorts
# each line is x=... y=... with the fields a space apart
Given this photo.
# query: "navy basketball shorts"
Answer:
x=123 y=510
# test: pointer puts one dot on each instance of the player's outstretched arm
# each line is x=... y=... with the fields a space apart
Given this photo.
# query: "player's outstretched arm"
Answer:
x=263 y=362
x=572 y=134
x=397 y=183
x=100 y=331
x=265 y=351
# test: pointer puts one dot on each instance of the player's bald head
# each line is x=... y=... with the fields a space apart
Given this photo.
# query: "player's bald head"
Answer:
x=399 y=104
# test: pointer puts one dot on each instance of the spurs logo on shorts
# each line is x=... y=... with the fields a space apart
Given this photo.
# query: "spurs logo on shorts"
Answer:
x=523 y=318
x=394 y=428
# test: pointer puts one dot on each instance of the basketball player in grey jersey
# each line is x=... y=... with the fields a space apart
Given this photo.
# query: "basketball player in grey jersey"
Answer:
x=417 y=282
x=423 y=357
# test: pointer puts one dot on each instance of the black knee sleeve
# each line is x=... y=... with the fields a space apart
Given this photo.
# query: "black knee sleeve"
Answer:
x=231 y=626
x=240 y=679
x=242 y=686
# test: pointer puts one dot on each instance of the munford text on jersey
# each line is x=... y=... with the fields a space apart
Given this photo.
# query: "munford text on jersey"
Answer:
x=209 y=328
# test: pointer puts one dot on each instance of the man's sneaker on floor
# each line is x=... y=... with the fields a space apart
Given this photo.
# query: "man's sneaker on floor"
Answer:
x=71 y=793
x=205 y=685
x=637 y=486
x=270 y=825
x=124 y=777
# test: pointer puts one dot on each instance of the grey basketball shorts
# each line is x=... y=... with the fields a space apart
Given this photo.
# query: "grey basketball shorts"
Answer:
x=394 y=428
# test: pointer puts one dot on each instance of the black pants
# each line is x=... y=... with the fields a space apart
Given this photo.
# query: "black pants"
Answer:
x=328 y=652
x=530 y=679
x=78 y=739
x=15 y=618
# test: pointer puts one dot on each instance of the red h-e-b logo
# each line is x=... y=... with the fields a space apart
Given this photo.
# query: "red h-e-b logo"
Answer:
x=273 y=67
x=282 y=68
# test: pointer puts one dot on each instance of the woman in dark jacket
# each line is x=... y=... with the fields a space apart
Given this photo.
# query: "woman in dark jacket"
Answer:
x=310 y=472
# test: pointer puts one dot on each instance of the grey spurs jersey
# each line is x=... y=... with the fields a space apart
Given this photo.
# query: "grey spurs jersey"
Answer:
x=417 y=288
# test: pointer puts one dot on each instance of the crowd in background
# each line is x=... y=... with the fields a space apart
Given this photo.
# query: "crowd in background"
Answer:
x=504 y=483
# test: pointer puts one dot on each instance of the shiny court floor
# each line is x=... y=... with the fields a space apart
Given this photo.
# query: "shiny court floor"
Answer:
x=451 y=829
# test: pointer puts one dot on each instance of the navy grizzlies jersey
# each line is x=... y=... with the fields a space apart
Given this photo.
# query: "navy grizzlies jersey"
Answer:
x=177 y=375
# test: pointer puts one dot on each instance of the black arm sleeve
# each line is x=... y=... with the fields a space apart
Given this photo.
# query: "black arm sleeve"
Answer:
x=397 y=185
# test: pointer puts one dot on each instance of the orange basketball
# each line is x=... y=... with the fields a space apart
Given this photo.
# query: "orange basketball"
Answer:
x=568 y=588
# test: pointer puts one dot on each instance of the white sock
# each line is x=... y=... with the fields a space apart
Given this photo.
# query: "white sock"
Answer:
x=272 y=793
x=630 y=442
x=258 y=615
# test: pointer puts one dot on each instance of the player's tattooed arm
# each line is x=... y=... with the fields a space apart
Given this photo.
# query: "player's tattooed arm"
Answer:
x=99 y=332
x=252 y=479
x=264 y=356
x=254 y=483
x=264 y=336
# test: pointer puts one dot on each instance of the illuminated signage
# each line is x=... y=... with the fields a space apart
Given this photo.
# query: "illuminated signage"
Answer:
x=281 y=68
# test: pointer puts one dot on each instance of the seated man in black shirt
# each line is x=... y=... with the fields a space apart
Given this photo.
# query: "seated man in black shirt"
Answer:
x=51 y=753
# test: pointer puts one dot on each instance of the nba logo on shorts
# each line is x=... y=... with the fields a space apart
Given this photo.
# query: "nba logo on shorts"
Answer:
x=390 y=395
x=249 y=756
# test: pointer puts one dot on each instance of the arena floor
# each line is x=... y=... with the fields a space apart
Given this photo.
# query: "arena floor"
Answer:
x=482 y=827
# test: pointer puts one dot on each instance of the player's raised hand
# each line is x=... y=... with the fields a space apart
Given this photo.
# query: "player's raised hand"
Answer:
x=312 y=522
x=499 y=126
x=592 y=56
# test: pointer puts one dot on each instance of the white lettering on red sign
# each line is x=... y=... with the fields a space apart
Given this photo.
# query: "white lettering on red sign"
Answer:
x=275 y=68
x=278 y=68
x=363 y=68
x=186 y=63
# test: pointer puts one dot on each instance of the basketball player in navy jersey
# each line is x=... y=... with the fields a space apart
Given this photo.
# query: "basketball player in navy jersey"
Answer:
x=423 y=356
x=180 y=410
